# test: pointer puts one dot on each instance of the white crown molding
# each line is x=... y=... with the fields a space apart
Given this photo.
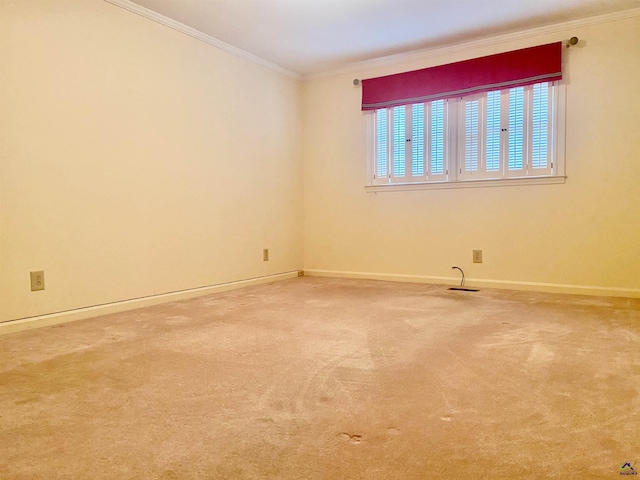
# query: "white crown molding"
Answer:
x=203 y=37
x=428 y=53
x=406 y=57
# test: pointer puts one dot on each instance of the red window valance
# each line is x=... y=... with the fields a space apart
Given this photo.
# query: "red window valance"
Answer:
x=504 y=70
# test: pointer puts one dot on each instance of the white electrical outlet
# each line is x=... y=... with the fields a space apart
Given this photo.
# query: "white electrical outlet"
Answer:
x=37 y=280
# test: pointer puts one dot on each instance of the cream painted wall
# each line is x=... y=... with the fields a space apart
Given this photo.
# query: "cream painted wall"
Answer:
x=584 y=233
x=136 y=160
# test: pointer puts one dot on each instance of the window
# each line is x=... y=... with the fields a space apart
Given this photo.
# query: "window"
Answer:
x=513 y=133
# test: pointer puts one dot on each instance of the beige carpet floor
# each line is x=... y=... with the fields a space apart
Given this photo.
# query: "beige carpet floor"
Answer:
x=317 y=378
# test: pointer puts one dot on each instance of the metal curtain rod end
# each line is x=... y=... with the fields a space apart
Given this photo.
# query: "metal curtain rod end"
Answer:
x=572 y=41
x=356 y=82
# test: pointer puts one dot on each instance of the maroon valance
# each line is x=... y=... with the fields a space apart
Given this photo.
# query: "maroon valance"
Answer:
x=504 y=70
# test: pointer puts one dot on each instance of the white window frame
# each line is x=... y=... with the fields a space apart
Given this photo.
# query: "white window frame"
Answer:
x=454 y=173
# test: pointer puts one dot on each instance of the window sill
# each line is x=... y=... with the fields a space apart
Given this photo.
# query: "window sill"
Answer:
x=503 y=182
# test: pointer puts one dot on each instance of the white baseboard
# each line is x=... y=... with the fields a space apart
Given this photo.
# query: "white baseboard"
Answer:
x=478 y=282
x=117 y=307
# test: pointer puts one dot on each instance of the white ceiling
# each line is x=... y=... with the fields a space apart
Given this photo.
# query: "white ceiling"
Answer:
x=313 y=36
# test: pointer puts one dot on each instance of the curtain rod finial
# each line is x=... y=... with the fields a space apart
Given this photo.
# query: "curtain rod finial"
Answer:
x=572 y=41
x=356 y=82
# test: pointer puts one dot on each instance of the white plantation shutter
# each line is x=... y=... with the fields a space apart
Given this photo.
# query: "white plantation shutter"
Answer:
x=425 y=130
x=541 y=133
x=493 y=132
x=498 y=134
x=495 y=117
x=516 y=130
x=481 y=146
x=399 y=141
x=436 y=142
x=417 y=140
x=470 y=139
x=382 y=145
x=410 y=140
x=407 y=164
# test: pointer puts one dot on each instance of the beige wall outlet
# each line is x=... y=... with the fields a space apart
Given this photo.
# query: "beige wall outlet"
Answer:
x=477 y=256
x=37 y=280
x=265 y=255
